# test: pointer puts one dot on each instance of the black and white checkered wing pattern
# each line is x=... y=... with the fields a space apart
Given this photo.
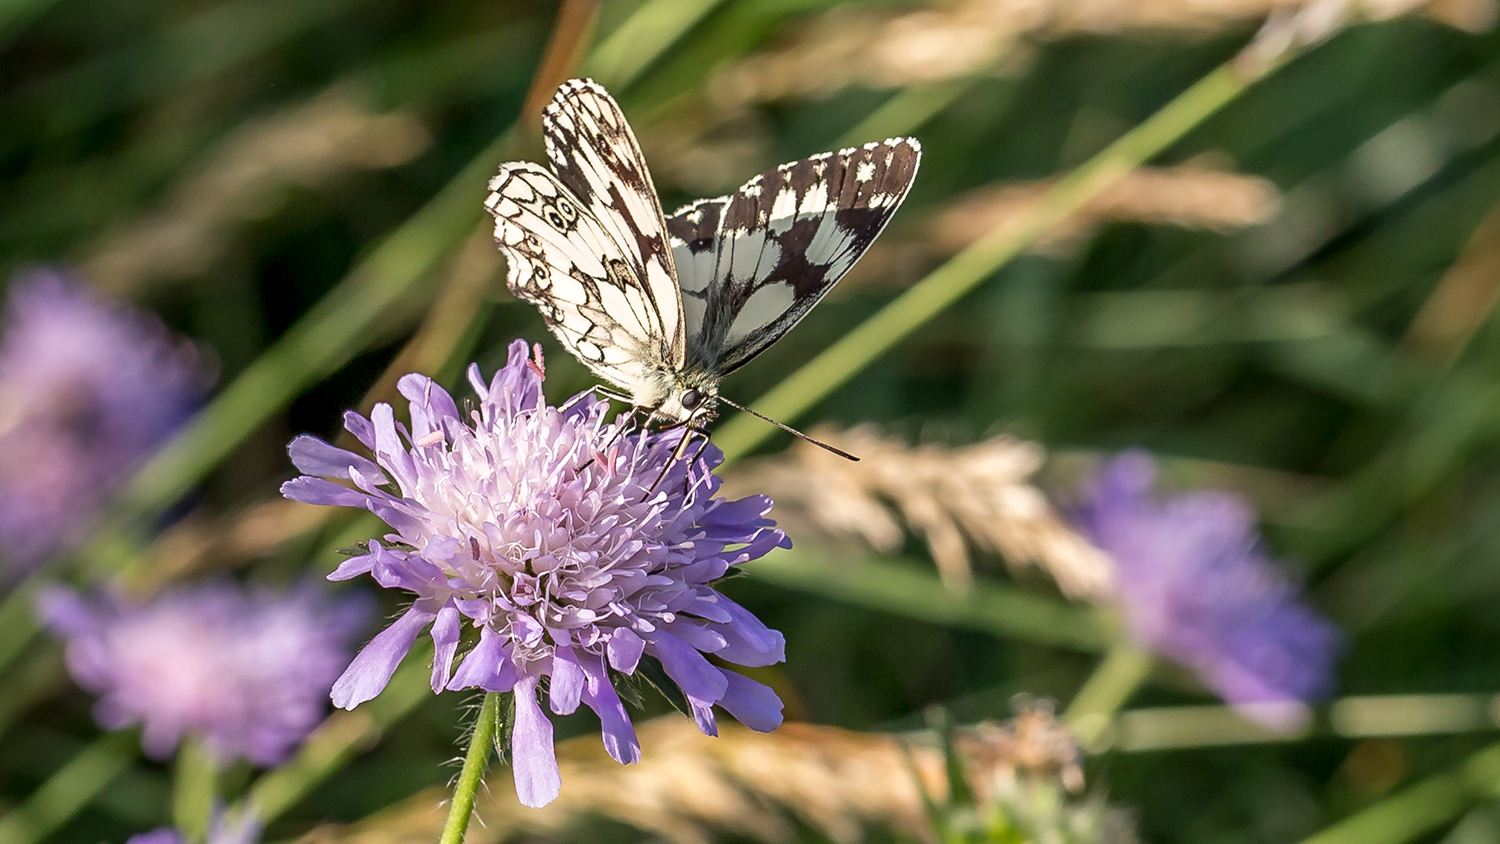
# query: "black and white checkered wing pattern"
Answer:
x=779 y=244
x=562 y=259
x=595 y=154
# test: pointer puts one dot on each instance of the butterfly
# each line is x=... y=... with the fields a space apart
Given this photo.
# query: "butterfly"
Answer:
x=663 y=307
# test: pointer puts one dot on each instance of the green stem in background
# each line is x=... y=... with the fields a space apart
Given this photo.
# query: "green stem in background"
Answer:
x=861 y=347
x=1422 y=808
x=70 y=789
x=195 y=786
x=469 y=779
x=906 y=110
x=1111 y=685
x=912 y=591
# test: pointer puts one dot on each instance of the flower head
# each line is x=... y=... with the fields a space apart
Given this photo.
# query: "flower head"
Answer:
x=87 y=389
x=223 y=830
x=1195 y=585
x=545 y=529
x=247 y=671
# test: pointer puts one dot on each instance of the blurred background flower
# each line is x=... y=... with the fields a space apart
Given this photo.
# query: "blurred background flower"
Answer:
x=88 y=388
x=247 y=672
x=1195 y=584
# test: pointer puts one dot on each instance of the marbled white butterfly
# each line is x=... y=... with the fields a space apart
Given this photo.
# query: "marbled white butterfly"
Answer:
x=664 y=307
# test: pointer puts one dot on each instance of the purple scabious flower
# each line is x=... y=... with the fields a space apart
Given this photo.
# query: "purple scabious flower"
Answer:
x=540 y=527
x=246 y=830
x=89 y=388
x=246 y=671
x=1195 y=585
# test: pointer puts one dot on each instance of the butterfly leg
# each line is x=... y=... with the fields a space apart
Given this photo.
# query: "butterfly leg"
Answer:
x=681 y=449
x=596 y=390
x=634 y=412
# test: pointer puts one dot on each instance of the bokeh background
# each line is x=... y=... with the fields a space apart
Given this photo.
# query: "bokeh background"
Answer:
x=1291 y=299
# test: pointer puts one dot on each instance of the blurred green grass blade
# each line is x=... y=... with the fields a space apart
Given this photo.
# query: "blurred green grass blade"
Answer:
x=907 y=590
x=340 y=737
x=878 y=335
x=16 y=14
x=907 y=110
x=69 y=789
x=643 y=38
x=1422 y=808
x=320 y=342
x=213 y=41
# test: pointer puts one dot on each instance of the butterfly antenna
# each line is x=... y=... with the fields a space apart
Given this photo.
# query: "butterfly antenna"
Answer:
x=790 y=430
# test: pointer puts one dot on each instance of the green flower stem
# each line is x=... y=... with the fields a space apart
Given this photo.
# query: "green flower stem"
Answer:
x=469 y=779
x=195 y=786
x=70 y=789
x=1422 y=808
x=861 y=347
x=911 y=590
x=1113 y=682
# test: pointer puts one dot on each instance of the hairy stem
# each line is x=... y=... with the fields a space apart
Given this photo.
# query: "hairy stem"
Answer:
x=473 y=771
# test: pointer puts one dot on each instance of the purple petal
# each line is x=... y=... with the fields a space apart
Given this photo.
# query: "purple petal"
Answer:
x=753 y=704
x=353 y=567
x=371 y=670
x=751 y=642
x=430 y=404
x=361 y=428
x=486 y=667
x=703 y=716
x=567 y=682
x=446 y=629
x=312 y=456
x=688 y=669
x=625 y=650
x=619 y=734
x=533 y=757
x=318 y=491
x=389 y=449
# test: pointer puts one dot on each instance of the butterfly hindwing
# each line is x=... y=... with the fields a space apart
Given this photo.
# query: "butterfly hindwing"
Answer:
x=595 y=154
x=780 y=243
x=562 y=259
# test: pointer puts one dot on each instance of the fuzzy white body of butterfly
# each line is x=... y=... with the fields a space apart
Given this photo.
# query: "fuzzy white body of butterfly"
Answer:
x=663 y=307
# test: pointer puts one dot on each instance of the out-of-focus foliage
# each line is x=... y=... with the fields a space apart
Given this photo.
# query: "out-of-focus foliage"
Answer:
x=1295 y=301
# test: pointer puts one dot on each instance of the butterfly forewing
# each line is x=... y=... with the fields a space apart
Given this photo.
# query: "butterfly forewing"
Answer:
x=780 y=244
x=595 y=154
x=561 y=259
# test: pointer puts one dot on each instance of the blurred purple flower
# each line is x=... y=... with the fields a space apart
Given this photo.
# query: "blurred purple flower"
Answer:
x=223 y=831
x=248 y=671
x=539 y=526
x=1195 y=585
x=87 y=389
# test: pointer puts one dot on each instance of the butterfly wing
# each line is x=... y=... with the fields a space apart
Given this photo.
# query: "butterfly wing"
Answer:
x=562 y=259
x=780 y=243
x=595 y=154
x=694 y=230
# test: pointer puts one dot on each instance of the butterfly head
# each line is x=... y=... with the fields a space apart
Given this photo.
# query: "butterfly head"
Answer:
x=692 y=400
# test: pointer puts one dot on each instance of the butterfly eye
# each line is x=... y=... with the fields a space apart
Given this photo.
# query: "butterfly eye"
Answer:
x=691 y=399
